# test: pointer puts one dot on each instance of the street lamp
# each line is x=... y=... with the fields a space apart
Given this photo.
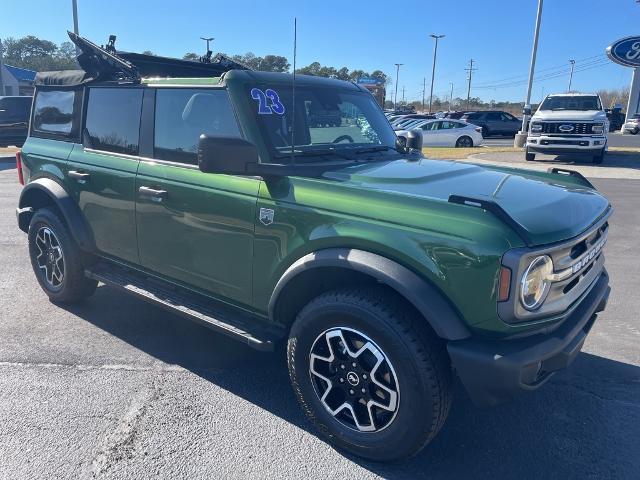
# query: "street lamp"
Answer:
x=433 y=70
x=207 y=39
x=395 y=99
x=451 y=96
x=572 y=62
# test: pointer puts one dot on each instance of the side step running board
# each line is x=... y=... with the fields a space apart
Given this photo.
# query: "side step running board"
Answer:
x=215 y=315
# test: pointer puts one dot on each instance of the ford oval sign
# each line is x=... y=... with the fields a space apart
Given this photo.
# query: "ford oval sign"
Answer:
x=625 y=51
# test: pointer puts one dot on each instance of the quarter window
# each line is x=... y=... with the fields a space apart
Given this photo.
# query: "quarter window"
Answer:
x=113 y=119
x=182 y=115
x=53 y=112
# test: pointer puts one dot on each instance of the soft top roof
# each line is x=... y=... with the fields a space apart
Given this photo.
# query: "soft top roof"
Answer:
x=105 y=64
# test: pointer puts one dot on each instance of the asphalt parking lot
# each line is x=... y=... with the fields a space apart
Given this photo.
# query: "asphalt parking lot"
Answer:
x=117 y=388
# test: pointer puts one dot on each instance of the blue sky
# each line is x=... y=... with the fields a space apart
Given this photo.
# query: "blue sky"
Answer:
x=369 y=35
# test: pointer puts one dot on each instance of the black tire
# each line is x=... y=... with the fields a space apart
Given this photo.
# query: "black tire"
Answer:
x=464 y=142
x=73 y=286
x=420 y=368
x=598 y=159
x=530 y=157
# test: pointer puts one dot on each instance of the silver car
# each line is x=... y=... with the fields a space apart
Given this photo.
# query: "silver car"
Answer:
x=446 y=133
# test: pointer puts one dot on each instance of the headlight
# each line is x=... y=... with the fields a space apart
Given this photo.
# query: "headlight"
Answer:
x=597 y=128
x=536 y=127
x=534 y=285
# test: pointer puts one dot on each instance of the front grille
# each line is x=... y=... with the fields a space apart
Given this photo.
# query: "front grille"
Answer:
x=579 y=128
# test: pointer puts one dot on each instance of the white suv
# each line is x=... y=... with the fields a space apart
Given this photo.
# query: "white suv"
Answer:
x=569 y=123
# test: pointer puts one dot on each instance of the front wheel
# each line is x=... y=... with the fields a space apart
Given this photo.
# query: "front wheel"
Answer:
x=530 y=157
x=372 y=379
x=57 y=261
x=598 y=159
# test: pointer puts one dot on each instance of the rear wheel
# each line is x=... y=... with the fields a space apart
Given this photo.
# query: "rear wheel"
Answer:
x=368 y=374
x=464 y=142
x=530 y=157
x=485 y=132
x=57 y=261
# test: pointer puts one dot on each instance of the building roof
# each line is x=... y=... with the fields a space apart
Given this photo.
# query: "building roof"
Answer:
x=21 y=74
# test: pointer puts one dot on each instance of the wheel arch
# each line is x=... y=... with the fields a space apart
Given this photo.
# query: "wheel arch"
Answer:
x=325 y=269
x=45 y=192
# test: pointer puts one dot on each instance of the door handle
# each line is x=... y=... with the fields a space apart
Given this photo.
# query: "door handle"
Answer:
x=154 y=194
x=81 y=177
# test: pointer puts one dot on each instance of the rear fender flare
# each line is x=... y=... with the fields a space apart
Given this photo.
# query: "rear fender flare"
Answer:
x=31 y=199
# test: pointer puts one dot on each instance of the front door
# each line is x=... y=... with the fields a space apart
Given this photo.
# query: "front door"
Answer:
x=101 y=171
x=195 y=228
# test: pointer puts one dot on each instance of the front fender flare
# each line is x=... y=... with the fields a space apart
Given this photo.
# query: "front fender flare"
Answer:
x=424 y=296
x=59 y=197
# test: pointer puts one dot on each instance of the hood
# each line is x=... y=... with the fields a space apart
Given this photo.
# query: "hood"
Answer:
x=570 y=115
x=547 y=206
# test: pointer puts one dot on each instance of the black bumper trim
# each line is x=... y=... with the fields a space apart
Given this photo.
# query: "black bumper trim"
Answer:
x=494 y=372
x=550 y=150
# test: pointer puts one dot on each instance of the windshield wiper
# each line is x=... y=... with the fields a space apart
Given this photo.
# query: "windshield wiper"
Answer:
x=378 y=148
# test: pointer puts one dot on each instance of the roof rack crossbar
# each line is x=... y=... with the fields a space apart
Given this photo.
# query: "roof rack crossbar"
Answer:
x=495 y=209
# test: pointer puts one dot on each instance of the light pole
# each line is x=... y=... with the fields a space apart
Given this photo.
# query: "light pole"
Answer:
x=451 y=96
x=207 y=39
x=2 y=91
x=395 y=98
x=433 y=70
x=572 y=62
x=521 y=136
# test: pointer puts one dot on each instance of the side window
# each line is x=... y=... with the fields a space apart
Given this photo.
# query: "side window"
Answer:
x=507 y=117
x=493 y=116
x=183 y=114
x=53 y=112
x=113 y=119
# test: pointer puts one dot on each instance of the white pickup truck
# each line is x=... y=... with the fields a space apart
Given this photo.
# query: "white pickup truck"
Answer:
x=569 y=123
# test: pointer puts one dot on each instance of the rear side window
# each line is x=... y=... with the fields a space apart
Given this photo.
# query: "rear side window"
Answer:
x=182 y=115
x=53 y=112
x=113 y=120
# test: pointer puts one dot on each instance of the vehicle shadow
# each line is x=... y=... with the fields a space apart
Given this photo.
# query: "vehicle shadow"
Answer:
x=622 y=159
x=584 y=423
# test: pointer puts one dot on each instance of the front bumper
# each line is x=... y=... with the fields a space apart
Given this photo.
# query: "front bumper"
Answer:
x=557 y=145
x=496 y=371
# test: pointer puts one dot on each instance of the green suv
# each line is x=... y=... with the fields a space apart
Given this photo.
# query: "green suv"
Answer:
x=386 y=273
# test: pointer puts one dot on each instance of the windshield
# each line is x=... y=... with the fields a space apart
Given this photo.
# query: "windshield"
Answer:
x=328 y=122
x=571 y=102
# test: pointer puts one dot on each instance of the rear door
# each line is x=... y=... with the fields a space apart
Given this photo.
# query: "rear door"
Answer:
x=102 y=169
x=195 y=228
x=494 y=123
x=430 y=134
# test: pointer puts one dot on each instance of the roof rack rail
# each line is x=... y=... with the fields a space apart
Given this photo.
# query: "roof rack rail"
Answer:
x=571 y=173
x=497 y=211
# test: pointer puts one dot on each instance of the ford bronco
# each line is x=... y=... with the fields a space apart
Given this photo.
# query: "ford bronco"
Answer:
x=385 y=273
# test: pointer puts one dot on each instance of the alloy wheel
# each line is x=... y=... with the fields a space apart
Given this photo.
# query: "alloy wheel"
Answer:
x=50 y=258
x=354 y=379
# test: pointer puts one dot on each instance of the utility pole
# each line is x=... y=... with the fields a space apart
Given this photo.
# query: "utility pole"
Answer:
x=2 y=91
x=572 y=62
x=395 y=99
x=451 y=96
x=521 y=136
x=470 y=70
x=424 y=87
x=433 y=70
x=403 y=94
x=74 y=7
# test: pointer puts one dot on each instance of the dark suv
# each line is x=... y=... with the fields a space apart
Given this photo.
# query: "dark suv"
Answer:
x=494 y=122
x=14 y=120
x=385 y=273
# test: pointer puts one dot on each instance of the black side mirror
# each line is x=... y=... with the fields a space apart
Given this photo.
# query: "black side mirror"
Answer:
x=414 y=139
x=226 y=155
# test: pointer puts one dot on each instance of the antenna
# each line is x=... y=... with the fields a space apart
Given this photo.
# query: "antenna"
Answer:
x=293 y=90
